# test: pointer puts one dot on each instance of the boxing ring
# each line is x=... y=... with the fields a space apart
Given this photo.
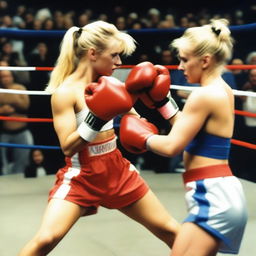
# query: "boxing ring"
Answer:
x=107 y=233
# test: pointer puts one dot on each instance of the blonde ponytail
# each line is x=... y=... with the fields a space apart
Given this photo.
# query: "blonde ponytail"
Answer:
x=214 y=38
x=65 y=62
x=76 y=43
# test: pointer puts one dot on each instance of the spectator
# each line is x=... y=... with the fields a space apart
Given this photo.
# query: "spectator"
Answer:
x=170 y=20
x=103 y=17
x=48 y=24
x=154 y=16
x=83 y=19
x=239 y=74
x=249 y=104
x=20 y=77
x=6 y=21
x=30 y=43
x=14 y=160
x=4 y=7
x=12 y=52
x=58 y=17
x=40 y=57
x=166 y=57
x=37 y=166
x=18 y=18
x=121 y=23
x=43 y=14
x=68 y=22
x=248 y=165
x=131 y=19
x=251 y=58
x=8 y=54
x=184 y=22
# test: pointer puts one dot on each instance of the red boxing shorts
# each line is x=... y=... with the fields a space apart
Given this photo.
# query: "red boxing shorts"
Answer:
x=99 y=176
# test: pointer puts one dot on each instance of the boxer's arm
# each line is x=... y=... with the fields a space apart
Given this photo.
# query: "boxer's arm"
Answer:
x=187 y=124
x=64 y=121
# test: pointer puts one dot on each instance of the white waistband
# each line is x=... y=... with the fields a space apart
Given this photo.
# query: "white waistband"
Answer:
x=101 y=149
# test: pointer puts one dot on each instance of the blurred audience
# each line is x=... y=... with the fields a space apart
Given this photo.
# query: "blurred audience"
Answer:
x=244 y=163
x=14 y=159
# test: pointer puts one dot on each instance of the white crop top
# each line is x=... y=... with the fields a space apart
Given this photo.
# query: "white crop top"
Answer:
x=80 y=116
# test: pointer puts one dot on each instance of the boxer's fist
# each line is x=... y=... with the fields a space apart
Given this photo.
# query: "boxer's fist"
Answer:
x=141 y=77
x=134 y=132
x=105 y=99
x=159 y=95
x=108 y=98
x=159 y=88
x=152 y=83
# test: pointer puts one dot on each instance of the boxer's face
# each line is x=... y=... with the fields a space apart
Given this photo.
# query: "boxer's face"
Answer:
x=191 y=65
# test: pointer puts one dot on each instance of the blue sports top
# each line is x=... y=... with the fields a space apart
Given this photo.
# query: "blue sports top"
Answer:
x=209 y=145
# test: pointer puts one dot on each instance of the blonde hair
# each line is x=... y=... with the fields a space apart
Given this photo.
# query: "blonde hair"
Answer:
x=214 y=38
x=77 y=41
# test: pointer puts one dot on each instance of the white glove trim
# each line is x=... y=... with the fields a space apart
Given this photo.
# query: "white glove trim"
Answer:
x=86 y=132
x=148 y=142
x=169 y=110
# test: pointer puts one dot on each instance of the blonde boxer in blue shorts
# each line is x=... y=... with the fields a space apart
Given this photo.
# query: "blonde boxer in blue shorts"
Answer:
x=203 y=129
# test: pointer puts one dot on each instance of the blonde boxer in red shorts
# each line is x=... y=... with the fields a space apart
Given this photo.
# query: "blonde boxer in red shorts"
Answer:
x=84 y=102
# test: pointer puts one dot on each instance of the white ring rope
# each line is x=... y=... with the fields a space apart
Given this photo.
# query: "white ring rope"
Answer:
x=26 y=92
x=173 y=86
x=17 y=68
x=191 y=88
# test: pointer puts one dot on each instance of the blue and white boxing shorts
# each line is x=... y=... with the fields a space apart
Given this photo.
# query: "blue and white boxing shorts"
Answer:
x=216 y=202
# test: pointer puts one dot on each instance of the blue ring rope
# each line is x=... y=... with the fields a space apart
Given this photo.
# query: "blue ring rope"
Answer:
x=24 y=146
x=13 y=145
x=59 y=33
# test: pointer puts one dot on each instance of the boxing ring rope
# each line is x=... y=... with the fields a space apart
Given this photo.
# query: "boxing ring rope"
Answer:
x=21 y=33
x=50 y=120
x=26 y=119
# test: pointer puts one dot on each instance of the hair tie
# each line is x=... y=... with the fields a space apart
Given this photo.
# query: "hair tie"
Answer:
x=216 y=31
x=80 y=30
x=77 y=34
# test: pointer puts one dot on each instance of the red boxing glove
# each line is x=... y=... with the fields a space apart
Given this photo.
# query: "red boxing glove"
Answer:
x=153 y=84
x=134 y=132
x=159 y=88
x=141 y=77
x=159 y=96
x=106 y=99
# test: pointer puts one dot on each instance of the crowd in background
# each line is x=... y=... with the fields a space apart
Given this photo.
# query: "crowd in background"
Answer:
x=44 y=51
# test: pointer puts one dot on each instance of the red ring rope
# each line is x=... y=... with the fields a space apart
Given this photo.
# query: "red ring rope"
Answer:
x=23 y=119
x=245 y=113
x=243 y=144
x=43 y=68
x=26 y=119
